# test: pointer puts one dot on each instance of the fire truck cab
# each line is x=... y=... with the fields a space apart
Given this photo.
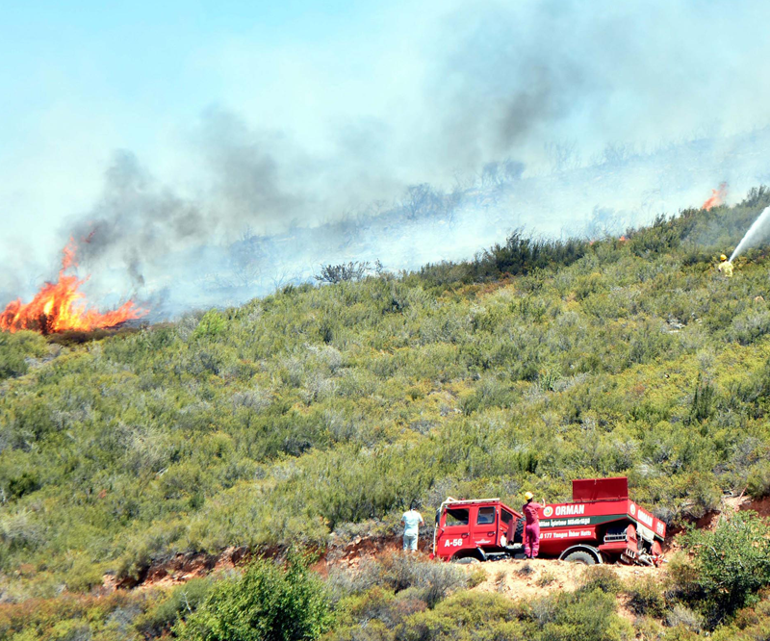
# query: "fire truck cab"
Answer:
x=477 y=529
x=600 y=524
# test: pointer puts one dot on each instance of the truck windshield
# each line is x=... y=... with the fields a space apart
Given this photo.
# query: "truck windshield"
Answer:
x=506 y=517
x=457 y=516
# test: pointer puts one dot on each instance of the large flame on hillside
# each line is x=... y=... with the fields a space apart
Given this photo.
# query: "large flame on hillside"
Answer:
x=717 y=197
x=60 y=306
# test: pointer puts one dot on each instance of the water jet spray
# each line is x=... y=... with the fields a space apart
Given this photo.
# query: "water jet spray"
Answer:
x=759 y=229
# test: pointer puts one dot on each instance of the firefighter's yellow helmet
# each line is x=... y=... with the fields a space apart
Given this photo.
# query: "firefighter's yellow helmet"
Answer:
x=529 y=496
x=723 y=258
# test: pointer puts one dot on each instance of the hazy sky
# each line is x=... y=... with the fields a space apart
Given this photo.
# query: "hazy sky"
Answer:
x=328 y=106
x=82 y=79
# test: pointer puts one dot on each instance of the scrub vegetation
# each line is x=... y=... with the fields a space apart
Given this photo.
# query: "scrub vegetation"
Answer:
x=330 y=408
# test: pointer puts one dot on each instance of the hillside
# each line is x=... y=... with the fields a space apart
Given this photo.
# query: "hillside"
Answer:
x=327 y=409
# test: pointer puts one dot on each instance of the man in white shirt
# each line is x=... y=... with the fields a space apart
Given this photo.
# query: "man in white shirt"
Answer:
x=412 y=521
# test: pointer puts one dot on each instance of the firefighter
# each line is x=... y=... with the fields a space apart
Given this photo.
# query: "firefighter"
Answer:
x=725 y=266
x=531 y=527
x=412 y=521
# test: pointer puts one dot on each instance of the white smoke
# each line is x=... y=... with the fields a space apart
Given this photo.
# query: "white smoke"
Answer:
x=556 y=117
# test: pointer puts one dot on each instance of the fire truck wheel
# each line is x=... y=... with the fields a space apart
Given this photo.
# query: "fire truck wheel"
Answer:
x=578 y=556
x=466 y=560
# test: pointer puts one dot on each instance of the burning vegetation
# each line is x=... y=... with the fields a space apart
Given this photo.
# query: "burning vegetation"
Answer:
x=717 y=197
x=61 y=306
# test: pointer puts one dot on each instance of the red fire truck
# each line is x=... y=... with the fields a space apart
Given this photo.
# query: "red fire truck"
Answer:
x=601 y=524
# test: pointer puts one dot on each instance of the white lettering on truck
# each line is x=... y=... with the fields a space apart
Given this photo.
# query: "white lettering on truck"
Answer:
x=570 y=534
x=569 y=510
x=644 y=517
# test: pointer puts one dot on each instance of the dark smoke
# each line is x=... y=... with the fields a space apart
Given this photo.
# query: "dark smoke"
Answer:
x=509 y=80
x=135 y=221
x=252 y=180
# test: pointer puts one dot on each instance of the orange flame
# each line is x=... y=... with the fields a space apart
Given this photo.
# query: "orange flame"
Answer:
x=59 y=306
x=717 y=197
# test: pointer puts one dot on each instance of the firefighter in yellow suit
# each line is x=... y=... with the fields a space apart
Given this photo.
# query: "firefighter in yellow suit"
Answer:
x=725 y=266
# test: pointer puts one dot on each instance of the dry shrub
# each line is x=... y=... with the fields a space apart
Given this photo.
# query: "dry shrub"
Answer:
x=546 y=578
x=681 y=615
x=500 y=580
x=399 y=572
x=601 y=577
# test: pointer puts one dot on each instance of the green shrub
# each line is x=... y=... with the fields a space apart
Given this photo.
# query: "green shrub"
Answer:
x=589 y=616
x=25 y=483
x=268 y=603
x=68 y=618
x=521 y=255
x=464 y=617
x=83 y=574
x=146 y=547
x=381 y=605
x=19 y=531
x=703 y=400
x=645 y=598
x=15 y=349
x=730 y=565
x=211 y=325
x=758 y=482
x=471 y=616
x=750 y=326
x=476 y=576
x=180 y=602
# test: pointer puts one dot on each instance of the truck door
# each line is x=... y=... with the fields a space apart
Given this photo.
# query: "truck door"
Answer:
x=455 y=533
x=484 y=528
x=508 y=526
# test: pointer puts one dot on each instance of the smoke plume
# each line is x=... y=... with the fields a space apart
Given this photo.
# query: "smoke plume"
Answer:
x=558 y=117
